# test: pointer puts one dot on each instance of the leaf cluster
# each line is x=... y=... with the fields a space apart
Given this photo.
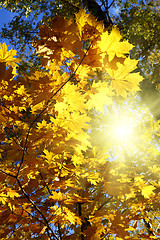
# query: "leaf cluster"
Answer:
x=57 y=182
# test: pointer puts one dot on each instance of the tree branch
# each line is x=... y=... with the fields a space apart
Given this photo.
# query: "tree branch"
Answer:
x=107 y=201
x=46 y=184
x=80 y=214
x=96 y=10
x=111 y=4
x=37 y=209
x=59 y=230
x=9 y=174
x=148 y=227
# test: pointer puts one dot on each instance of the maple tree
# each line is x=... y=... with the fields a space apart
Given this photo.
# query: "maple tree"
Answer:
x=137 y=20
x=62 y=174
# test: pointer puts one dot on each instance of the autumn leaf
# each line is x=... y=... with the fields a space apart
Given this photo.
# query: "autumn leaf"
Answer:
x=130 y=228
x=7 y=56
x=147 y=191
x=12 y=193
x=61 y=173
x=100 y=95
x=21 y=90
x=43 y=230
x=87 y=24
x=58 y=196
x=3 y=198
x=122 y=80
x=48 y=155
x=111 y=44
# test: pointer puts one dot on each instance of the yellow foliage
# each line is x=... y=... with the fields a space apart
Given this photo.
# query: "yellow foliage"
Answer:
x=56 y=172
x=147 y=191
x=110 y=44
x=122 y=80
x=21 y=90
x=8 y=56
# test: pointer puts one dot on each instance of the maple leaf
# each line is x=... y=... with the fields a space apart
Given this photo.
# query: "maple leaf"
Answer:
x=58 y=196
x=48 y=155
x=147 y=191
x=155 y=169
x=130 y=228
x=122 y=80
x=3 y=198
x=52 y=165
x=110 y=44
x=60 y=107
x=43 y=230
x=21 y=90
x=12 y=193
x=39 y=106
x=101 y=94
x=42 y=124
x=7 y=56
x=87 y=25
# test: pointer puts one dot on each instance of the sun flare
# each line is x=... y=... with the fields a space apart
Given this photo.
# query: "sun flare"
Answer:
x=123 y=124
x=122 y=128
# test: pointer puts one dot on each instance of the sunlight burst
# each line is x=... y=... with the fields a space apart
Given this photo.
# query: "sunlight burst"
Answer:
x=122 y=128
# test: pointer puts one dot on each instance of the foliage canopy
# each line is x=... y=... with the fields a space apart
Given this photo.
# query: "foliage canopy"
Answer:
x=58 y=181
x=138 y=21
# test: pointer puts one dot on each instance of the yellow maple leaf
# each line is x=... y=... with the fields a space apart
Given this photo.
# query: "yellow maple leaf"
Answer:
x=7 y=56
x=21 y=90
x=3 y=198
x=48 y=155
x=101 y=94
x=122 y=80
x=39 y=106
x=42 y=124
x=71 y=217
x=155 y=169
x=88 y=25
x=58 y=196
x=43 y=230
x=98 y=101
x=60 y=107
x=12 y=193
x=82 y=71
x=147 y=191
x=110 y=44
x=73 y=98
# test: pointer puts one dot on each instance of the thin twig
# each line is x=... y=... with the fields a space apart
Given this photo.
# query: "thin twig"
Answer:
x=9 y=174
x=107 y=201
x=46 y=185
x=111 y=4
x=37 y=209
x=59 y=230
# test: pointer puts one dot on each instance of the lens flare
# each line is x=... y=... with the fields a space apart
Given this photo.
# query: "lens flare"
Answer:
x=122 y=129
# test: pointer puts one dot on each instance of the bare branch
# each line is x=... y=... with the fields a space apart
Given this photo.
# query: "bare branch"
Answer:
x=37 y=209
x=148 y=227
x=46 y=184
x=59 y=230
x=107 y=201
x=9 y=174
x=111 y=4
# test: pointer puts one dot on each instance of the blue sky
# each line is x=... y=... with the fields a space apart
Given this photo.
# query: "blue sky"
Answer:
x=5 y=17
